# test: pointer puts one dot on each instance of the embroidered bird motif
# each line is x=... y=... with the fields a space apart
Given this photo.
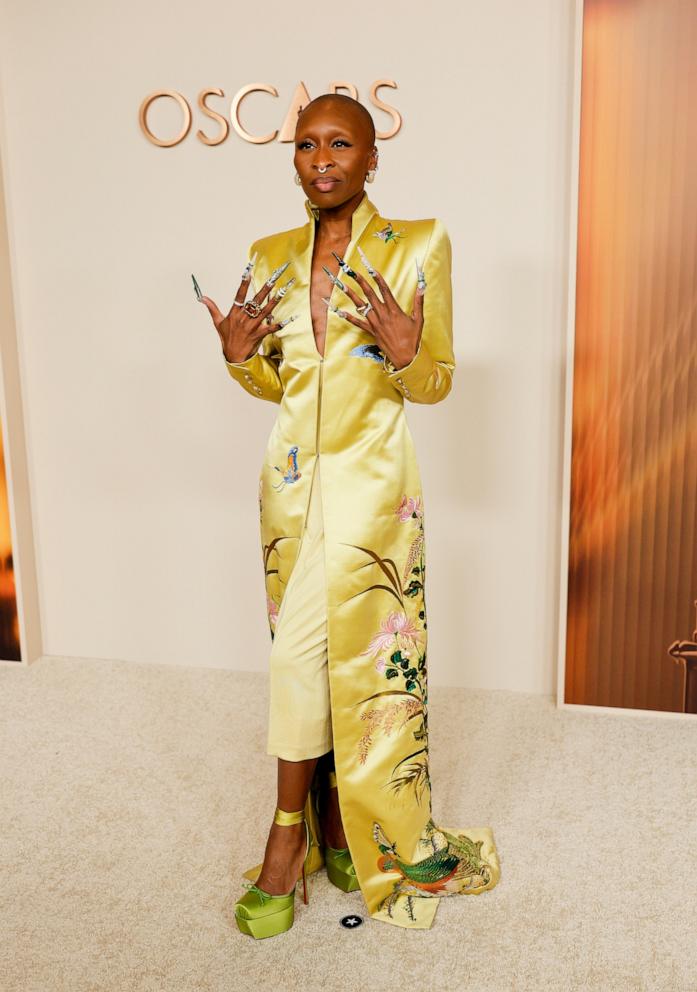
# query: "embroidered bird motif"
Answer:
x=291 y=473
x=452 y=868
x=367 y=351
x=387 y=233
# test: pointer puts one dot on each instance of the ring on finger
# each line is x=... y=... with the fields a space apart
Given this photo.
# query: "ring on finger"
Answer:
x=365 y=309
x=252 y=308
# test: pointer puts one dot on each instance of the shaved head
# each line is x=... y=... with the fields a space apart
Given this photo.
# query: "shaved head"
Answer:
x=340 y=100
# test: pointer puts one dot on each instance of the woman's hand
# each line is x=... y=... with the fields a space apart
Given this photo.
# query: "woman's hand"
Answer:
x=242 y=331
x=396 y=332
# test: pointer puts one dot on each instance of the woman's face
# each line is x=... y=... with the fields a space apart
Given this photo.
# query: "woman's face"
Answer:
x=334 y=137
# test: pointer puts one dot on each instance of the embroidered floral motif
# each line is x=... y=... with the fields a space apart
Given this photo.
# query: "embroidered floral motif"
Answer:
x=387 y=234
x=409 y=507
x=398 y=634
x=290 y=474
x=399 y=648
x=272 y=606
x=272 y=611
x=367 y=351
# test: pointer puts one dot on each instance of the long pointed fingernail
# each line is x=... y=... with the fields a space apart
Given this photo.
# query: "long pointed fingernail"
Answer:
x=277 y=273
x=421 y=279
x=288 y=320
x=249 y=266
x=345 y=267
x=342 y=313
x=199 y=294
x=365 y=261
x=334 y=279
x=284 y=289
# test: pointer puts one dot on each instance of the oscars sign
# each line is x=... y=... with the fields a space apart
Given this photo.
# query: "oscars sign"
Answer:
x=286 y=132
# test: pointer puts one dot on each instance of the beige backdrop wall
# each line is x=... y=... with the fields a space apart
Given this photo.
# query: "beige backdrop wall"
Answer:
x=143 y=452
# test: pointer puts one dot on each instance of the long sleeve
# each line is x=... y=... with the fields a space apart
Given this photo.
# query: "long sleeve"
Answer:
x=259 y=374
x=428 y=377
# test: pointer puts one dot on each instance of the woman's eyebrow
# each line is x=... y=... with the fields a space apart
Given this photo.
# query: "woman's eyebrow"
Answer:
x=337 y=131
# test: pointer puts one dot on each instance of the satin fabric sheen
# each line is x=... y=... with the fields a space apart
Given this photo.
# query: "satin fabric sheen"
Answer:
x=300 y=720
x=348 y=409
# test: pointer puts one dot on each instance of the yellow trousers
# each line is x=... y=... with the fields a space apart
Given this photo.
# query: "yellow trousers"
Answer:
x=300 y=724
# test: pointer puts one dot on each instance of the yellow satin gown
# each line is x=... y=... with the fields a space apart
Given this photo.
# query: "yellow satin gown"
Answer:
x=347 y=407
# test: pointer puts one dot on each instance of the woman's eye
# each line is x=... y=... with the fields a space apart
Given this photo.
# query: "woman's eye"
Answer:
x=337 y=141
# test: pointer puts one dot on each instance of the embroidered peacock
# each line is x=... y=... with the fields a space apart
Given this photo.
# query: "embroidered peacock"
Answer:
x=291 y=473
x=455 y=866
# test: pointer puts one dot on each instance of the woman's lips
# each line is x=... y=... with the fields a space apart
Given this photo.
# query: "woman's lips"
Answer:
x=324 y=185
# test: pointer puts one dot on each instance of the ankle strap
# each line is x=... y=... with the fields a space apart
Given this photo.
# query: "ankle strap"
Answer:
x=332 y=779
x=285 y=818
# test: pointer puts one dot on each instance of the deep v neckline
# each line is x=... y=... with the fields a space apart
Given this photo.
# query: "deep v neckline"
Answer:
x=318 y=353
x=360 y=218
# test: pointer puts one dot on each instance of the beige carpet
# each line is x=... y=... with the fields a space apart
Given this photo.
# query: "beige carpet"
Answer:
x=133 y=796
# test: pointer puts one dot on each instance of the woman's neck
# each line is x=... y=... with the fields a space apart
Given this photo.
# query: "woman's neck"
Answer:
x=335 y=223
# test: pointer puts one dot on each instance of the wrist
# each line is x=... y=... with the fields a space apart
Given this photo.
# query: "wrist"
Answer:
x=237 y=355
x=401 y=360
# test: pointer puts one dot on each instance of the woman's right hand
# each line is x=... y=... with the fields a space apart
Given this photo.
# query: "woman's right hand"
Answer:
x=240 y=332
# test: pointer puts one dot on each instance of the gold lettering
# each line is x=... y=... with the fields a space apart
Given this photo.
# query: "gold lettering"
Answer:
x=143 y=117
x=224 y=126
x=300 y=99
x=377 y=102
x=235 y=112
x=352 y=91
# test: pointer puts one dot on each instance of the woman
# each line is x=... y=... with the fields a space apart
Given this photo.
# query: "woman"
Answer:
x=344 y=557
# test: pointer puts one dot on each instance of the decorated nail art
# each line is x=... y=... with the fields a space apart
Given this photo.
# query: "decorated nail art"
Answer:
x=249 y=266
x=277 y=273
x=284 y=289
x=342 y=313
x=344 y=266
x=421 y=279
x=288 y=320
x=196 y=287
x=334 y=279
x=365 y=261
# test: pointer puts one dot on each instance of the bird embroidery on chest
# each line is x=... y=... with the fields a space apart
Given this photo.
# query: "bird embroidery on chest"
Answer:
x=388 y=234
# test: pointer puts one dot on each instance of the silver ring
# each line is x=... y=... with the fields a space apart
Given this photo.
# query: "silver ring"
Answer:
x=365 y=309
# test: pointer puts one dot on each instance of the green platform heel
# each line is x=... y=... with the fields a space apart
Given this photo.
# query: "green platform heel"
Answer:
x=261 y=914
x=340 y=867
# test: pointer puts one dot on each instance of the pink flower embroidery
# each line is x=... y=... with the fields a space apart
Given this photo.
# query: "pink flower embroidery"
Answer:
x=272 y=610
x=408 y=507
x=397 y=633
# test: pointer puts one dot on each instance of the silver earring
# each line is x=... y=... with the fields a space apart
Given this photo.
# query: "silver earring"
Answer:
x=298 y=180
x=370 y=176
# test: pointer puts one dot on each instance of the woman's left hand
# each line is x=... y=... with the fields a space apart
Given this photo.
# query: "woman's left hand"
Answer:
x=396 y=332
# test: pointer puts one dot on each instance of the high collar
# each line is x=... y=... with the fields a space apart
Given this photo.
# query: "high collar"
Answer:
x=359 y=218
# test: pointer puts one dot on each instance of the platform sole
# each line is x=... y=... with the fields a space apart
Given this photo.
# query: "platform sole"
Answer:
x=347 y=883
x=269 y=925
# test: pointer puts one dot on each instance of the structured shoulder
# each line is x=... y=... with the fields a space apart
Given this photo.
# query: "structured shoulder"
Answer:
x=427 y=230
x=265 y=244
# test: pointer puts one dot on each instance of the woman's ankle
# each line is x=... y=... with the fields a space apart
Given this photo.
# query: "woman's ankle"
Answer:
x=330 y=818
x=285 y=852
